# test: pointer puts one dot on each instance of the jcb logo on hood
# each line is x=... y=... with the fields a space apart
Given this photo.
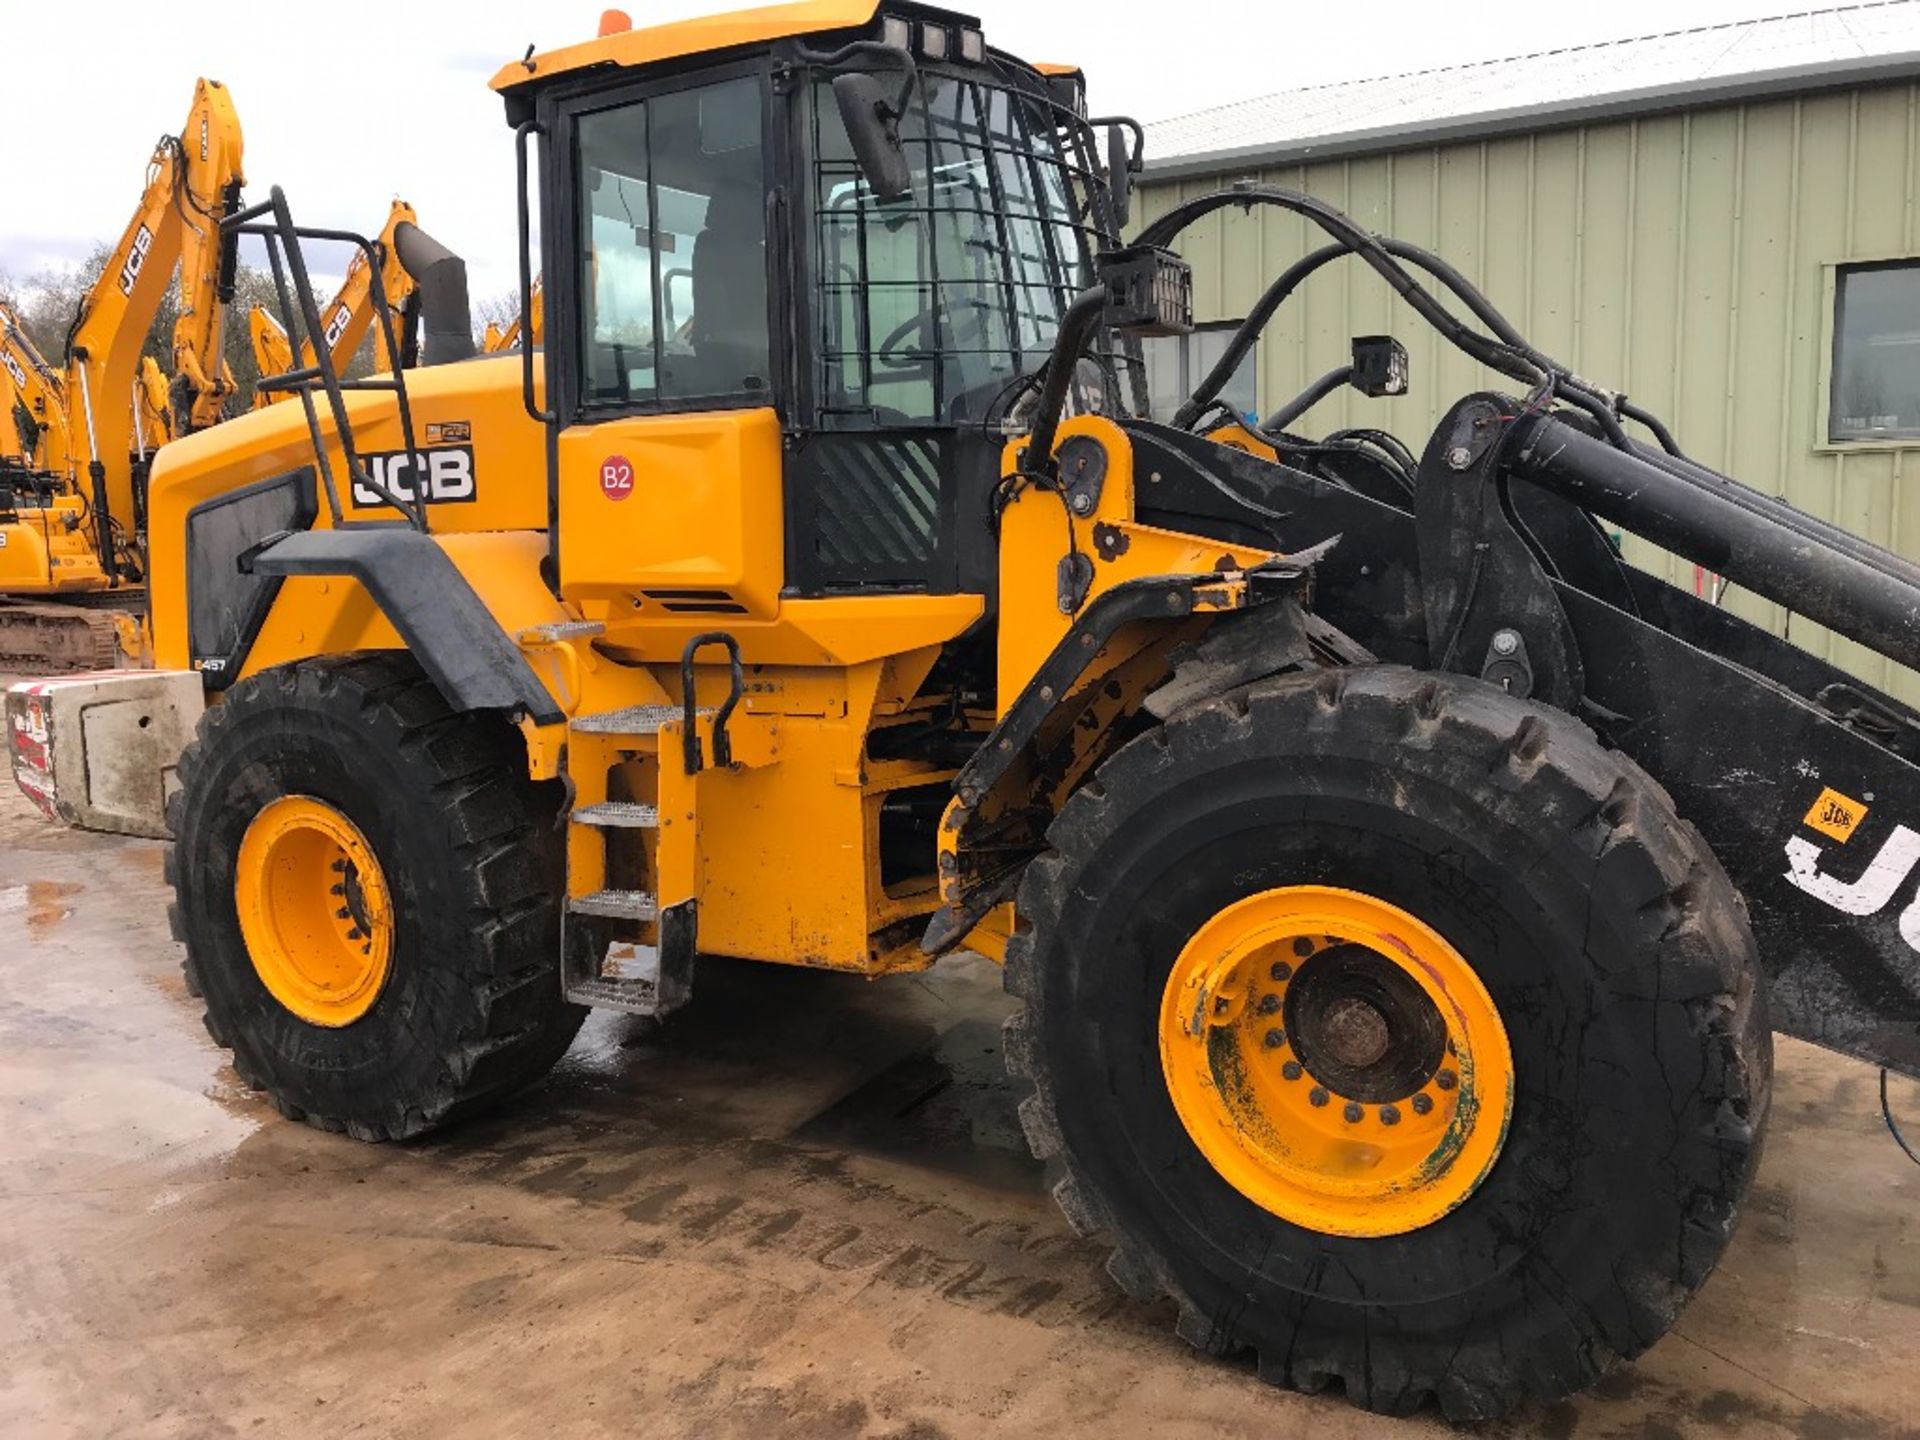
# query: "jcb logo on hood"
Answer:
x=438 y=476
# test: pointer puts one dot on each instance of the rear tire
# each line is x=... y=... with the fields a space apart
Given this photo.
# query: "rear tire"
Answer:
x=468 y=1008
x=1605 y=932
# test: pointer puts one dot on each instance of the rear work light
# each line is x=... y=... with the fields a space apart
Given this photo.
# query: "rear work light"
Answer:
x=933 y=42
x=973 y=47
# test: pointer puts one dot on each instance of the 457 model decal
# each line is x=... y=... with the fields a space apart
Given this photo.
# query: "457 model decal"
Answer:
x=1838 y=816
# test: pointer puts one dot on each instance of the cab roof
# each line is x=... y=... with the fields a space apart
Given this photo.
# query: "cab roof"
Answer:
x=654 y=43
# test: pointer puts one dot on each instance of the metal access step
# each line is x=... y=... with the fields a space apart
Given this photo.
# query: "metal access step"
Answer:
x=619 y=815
x=633 y=720
x=630 y=980
x=557 y=630
x=616 y=905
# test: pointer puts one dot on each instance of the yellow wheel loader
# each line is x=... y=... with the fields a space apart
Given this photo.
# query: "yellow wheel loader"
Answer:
x=1397 y=888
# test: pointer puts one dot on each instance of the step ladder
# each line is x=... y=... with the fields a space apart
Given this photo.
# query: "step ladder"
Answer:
x=627 y=948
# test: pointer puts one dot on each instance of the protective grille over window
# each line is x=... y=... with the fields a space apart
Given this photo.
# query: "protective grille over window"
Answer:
x=932 y=305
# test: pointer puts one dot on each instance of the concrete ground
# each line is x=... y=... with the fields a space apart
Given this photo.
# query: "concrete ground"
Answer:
x=801 y=1209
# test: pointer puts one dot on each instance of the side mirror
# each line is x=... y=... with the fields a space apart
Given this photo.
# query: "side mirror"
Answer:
x=873 y=129
x=1119 y=176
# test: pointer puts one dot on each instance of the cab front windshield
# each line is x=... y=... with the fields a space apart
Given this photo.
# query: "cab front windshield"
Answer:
x=932 y=305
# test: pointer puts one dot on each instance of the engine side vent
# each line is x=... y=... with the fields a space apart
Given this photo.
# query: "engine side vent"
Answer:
x=696 y=602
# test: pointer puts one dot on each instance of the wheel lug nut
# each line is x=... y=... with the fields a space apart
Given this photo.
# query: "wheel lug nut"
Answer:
x=1292 y=1070
x=343 y=913
x=1269 y=1004
x=1303 y=947
x=1389 y=1115
x=1317 y=1097
x=339 y=867
x=1423 y=1104
x=1446 y=1079
x=1354 y=1113
x=337 y=890
x=1274 y=1039
x=1281 y=970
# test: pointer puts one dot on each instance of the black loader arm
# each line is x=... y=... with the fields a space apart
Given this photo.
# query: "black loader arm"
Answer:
x=1805 y=781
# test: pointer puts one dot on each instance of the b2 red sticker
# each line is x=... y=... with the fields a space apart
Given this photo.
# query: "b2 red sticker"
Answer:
x=616 y=477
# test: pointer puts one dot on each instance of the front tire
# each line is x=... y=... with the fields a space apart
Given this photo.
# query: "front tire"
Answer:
x=368 y=886
x=1623 y=1077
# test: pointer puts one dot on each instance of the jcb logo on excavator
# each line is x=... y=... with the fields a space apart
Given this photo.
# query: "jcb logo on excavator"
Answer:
x=337 y=325
x=1837 y=816
x=437 y=476
x=130 y=272
x=13 y=369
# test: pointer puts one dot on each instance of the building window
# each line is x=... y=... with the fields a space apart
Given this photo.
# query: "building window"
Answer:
x=1876 y=353
x=1177 y=363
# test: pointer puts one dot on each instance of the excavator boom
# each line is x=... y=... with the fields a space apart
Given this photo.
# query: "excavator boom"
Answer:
x=193 y=178
x=33 y=417
x=71 y=532
x=347 y=317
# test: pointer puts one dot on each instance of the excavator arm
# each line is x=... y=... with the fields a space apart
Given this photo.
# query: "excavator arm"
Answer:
x=501 y=338
x=192 y=180
x=348 y=316
x=29 y=388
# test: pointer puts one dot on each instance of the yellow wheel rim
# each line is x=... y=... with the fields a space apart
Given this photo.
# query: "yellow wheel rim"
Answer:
x=314 y=910
x=1336 y=1061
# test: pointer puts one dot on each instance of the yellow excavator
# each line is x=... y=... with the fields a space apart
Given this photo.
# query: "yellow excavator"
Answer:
x=348 y=316
x=72 y=548
x=33 y=415
x=502 y=338
x=1396 y=892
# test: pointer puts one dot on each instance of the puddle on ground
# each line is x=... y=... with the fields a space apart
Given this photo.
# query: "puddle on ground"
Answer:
x=42 y=902
x=951 y=1107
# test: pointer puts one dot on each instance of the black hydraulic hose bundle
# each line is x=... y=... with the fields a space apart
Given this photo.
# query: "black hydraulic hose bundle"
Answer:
x=1507 y=351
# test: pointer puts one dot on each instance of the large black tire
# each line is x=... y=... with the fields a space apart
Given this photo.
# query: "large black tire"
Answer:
x=472 y=851
x=1605 y=931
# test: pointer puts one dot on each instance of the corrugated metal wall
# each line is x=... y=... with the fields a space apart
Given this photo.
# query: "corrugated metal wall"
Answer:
x=1679 y=257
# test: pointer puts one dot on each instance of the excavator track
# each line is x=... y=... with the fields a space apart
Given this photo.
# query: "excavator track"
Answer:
x=57 y=638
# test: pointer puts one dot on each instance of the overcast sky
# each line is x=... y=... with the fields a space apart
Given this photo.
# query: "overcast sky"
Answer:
x=347 y=106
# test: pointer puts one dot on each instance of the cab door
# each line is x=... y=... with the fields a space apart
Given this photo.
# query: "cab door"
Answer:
x=669 y=462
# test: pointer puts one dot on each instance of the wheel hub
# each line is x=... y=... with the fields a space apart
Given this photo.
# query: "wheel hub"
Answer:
x=314 y=910
x=1355 y=1033
x=1336 y=1060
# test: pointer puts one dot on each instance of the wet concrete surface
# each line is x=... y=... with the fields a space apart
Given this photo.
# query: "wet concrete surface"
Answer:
x=801 y=1208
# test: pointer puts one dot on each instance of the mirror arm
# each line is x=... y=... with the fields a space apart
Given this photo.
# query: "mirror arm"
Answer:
x=840 y=59
x=1135 y=161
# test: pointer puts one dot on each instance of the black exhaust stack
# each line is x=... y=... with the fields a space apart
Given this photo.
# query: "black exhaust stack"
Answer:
x=446 y=318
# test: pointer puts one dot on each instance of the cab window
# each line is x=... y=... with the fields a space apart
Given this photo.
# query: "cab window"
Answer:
x=674 y=271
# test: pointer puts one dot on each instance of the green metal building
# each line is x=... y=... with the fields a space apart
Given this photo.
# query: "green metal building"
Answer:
x=1721 y=222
